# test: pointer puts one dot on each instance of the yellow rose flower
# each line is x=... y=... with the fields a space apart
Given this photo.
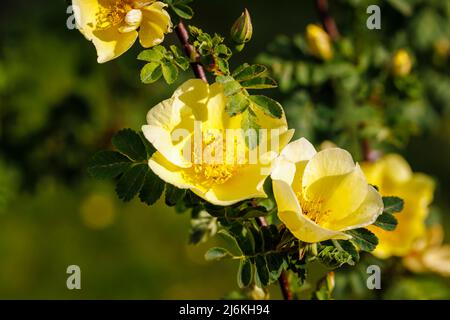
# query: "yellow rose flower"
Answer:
x=394 y=177
x=322 y=194
x=401 y=63
x=112 y=25
x=319 y=42
x=188 y=132
x=429 y=254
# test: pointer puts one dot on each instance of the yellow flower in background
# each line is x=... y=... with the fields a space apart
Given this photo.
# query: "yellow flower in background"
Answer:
x=428 y=253
x=394 y=177
x=112 y=25
x=401 y=63
x=322 y=194
x=195 y=110
x=319 y=42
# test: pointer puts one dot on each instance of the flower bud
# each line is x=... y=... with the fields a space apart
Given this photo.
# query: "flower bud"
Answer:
x=401 y=63
x=319 y=42
x=330 y=281
x=242 y=29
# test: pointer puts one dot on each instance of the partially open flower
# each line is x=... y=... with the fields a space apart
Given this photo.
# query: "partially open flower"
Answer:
x=112 y=25
x=322 y=194
x=200 y=147
x=394 y=177
x=401 y=63
x=319 y=42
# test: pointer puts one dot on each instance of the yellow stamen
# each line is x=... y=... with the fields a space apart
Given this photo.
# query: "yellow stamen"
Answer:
x=313 y=208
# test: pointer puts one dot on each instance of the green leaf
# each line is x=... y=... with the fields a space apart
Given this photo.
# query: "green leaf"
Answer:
x=392 y=204
x=173 y=195
x=223 y=65
x=402 y=6
x=245 y=273
x=182 y=62
x=183 y=11
x=230 y=86
x=349 y=247
x=267 y=187
x=364 y=239
x=262 y=274
x=152 y=188
x=259 y=83
x=170 y=72
x=270 y=107
x=236 y=104
x=302 y=73
x=151 y=72
x=130 y=144
x=155 y=54
x=275 y=265
x=249 y=124
x=107 y=164
x=148 y=146
x=230 y=242
x=131 y=182
x=216 y=254
x=240 y=69
x=249 y=72
x=244 y=238
x=176 y=51
x=386 y=221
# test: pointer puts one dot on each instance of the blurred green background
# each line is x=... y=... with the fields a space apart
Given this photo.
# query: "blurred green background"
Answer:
x=58 y=106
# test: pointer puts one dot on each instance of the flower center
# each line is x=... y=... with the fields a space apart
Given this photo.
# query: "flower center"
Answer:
x=313 y=208
x=118 y=11
x=212 y=165
x=214 y=174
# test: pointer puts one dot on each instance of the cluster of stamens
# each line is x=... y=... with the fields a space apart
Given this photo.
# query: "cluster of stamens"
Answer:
x=313 y=208
x=214 y=171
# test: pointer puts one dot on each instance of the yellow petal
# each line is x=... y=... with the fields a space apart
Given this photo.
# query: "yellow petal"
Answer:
x=155 y=23
x=162 y=120
x=345 y=195
x=289 y=212
x=85 y=12
x=167 y=171
x=365 y=215
x=299 y=150
x=246 y=184
x=327 y=163
x=283 y=170
x=111 y=43
x=396 y=168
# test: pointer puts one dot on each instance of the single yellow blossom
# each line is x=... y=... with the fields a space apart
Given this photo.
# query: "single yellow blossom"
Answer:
x=188 y=132
x=322 y=194
x=394 y=177
x=401 y=63
x=319 y=42
x=428 y=253
x=112 y=25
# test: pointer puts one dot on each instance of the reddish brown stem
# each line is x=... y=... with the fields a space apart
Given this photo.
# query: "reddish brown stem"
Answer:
x=183 y=36
x=327 y=20
x=283 y=280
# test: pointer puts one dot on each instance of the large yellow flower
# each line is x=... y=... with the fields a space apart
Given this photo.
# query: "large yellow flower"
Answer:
x=322 y=194
x=394 y=177
x=112 y=24
x=190 y=133
x=319 y=42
